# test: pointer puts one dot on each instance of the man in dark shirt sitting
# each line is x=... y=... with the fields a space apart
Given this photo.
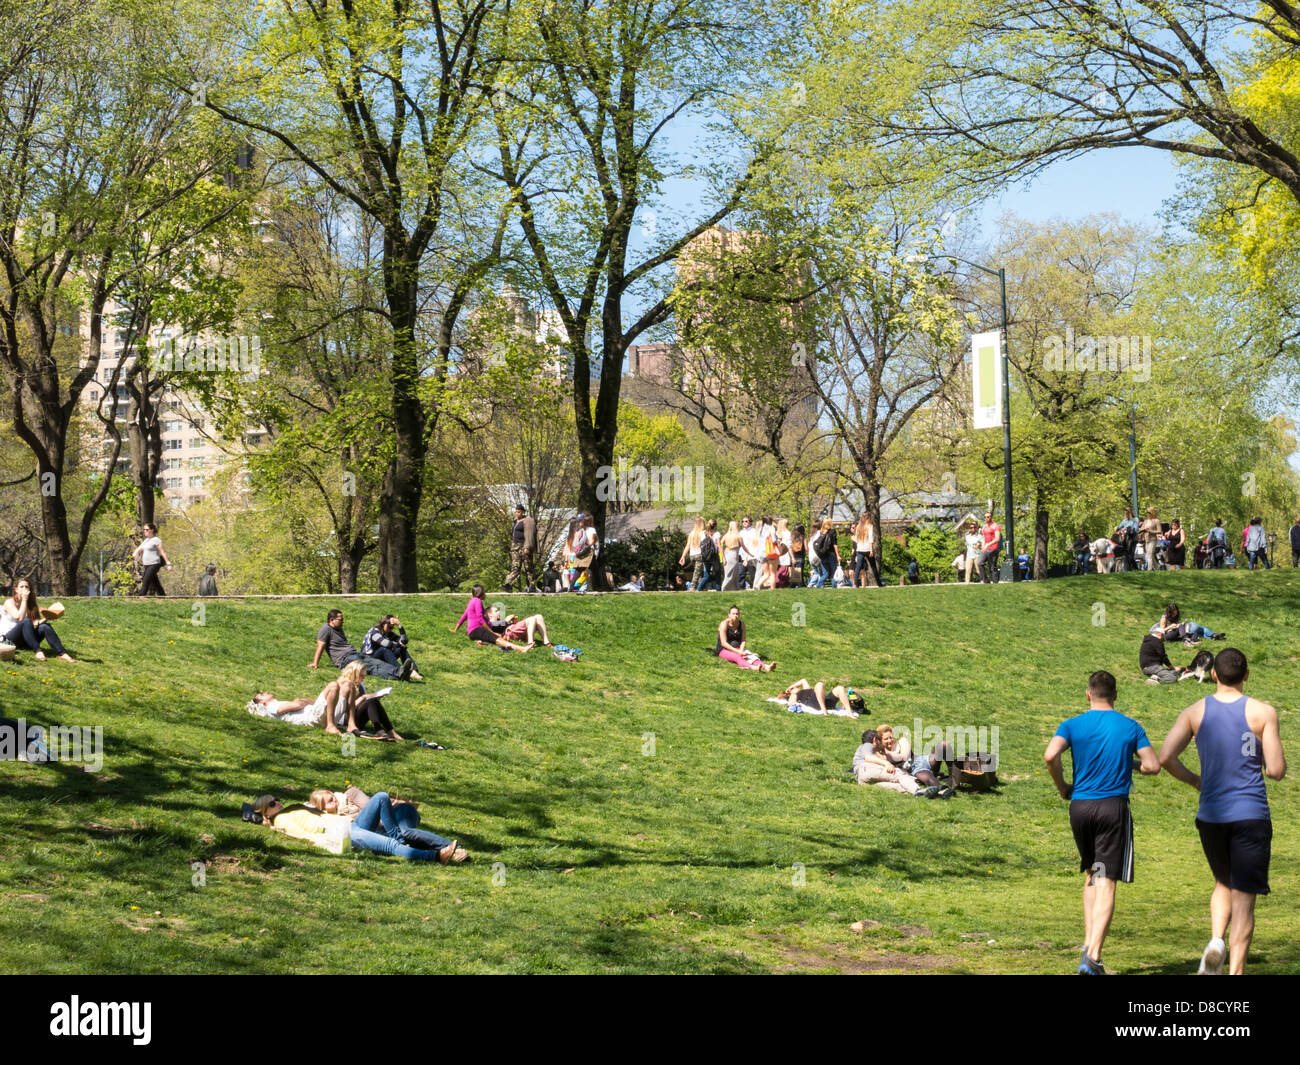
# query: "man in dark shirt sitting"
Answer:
x=330 y=638
x=1155 y=662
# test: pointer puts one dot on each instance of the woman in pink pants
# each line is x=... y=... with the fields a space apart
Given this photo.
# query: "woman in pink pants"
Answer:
x=731 y=644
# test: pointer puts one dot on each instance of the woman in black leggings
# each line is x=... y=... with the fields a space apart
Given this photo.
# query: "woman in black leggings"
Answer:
x=363 y=707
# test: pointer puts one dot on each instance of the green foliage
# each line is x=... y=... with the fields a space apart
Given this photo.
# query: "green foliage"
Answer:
x=934 y=549
x=623 y=794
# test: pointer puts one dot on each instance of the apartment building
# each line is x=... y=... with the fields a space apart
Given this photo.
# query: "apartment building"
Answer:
x=193 y=451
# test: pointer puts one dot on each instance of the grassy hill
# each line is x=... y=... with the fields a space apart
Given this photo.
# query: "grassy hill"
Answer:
x=642 y=809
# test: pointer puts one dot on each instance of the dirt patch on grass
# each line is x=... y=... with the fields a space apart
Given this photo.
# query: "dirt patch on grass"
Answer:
x=855 y=958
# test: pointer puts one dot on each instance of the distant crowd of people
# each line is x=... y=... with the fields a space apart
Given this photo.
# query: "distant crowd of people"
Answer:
x=1152 y=544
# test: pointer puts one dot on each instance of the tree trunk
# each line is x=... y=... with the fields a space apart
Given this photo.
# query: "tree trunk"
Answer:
x=1040 y=541
x=144 y=444
x=404 y=479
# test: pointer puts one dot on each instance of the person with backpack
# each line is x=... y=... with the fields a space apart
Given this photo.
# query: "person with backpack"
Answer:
x=709 y=560
x=828 y=555
x=1257 y=543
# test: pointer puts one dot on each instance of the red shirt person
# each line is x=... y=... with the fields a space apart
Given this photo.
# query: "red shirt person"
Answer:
x=992 y=533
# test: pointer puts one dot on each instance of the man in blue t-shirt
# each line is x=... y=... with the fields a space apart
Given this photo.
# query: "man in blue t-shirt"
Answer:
x=1103 y=742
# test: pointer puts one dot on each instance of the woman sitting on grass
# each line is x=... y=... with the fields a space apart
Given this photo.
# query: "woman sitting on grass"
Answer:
x=842 y=702
x=476 y=624
x=22 y=623
x=375 y=827
x=731 y=644
x=513 y=627
x=336 y=707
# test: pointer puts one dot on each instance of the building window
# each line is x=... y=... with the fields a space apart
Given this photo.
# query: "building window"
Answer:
x=171 y=464
x=198 y=462
x=195 y=441
x=173 y=482
x=196 y=482
x=172 y=426
x=172 y=445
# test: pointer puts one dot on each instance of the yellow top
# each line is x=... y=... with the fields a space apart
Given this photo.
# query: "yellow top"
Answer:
x=325 y=830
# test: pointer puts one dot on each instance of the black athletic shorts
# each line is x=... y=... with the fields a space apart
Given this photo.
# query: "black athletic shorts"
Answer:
x=1103 y=832
x=483 y=633
x=1238 y=852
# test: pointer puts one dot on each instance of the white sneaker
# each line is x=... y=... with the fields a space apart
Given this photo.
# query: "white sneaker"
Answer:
x=1212 y=959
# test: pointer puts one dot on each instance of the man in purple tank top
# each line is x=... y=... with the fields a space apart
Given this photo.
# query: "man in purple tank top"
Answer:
x=1238 y=743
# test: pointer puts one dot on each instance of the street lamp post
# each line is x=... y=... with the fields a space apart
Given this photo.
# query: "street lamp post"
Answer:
x=1133 y=458
x=1008 y=567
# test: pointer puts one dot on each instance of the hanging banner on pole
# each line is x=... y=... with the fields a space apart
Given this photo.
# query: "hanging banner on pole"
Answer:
x=985 y=357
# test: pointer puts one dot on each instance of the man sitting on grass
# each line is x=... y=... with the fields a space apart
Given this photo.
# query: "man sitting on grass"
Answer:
x=329 y=637
x=1154 y=660
x=1103 y=742
x=872 y=765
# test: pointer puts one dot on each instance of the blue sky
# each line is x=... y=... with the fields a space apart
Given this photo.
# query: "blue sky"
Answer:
x=1131 y=182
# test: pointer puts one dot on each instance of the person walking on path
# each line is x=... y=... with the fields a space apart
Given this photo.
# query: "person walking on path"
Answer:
x=1238 y=743
x=991 y=532
x=523 y=549
x=1102 y=742
x=1295 y=544
x=152 y=557
x=1257 y=543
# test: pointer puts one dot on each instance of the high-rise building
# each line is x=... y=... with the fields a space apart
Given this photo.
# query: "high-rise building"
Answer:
x=688 y=377
x=193 y=451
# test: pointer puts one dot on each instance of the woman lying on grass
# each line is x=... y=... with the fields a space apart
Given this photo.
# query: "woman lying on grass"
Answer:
x=476 y=624
x=731 y=644
x=336 y=707
x=513 y=627
x=1170 y=627
x=376 y=826
x=401 y=813
x=842 y=702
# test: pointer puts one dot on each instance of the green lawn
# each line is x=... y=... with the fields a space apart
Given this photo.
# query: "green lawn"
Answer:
x=741 y=844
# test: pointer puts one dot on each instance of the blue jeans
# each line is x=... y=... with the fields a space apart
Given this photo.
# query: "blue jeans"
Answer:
x=1192 y=629
x=821 y=573
x=399 y=836
x=1260 y=553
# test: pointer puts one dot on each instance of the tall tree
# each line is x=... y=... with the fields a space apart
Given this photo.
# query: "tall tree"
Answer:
x=94 y=148
x=380 y=100
x=1011 y=85
x=586 y=97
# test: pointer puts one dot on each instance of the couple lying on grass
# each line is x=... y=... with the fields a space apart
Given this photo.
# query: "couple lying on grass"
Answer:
x=490 y=627
x=336 y=820
x=889 y=763
x=338 y=707
x=812 y=699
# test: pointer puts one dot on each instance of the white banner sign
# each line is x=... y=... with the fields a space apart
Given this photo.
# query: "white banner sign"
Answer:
x=985 y=362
